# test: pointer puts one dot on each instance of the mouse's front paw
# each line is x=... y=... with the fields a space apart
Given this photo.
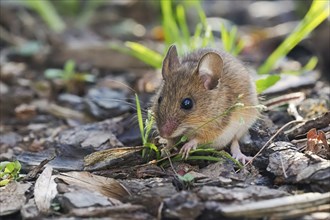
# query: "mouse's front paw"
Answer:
x=192 y=144
x=241 y=157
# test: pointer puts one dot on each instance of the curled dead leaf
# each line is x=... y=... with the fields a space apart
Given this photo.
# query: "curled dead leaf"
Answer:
x=317 y=142
x=108 y=187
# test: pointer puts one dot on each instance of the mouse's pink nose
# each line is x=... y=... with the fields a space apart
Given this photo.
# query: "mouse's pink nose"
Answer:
x=168 y=128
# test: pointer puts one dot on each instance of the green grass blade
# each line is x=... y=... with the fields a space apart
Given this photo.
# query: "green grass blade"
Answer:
x=239 y=47
x=171 y=30
x=311 y=64
x=48 y=13
x=232 y=38
x=208 y=37
x=201 y=13
x=265 y=83
x=208 y=158
x=140 y=119
x=89 y=10
x=224 y=37
x=148 y=125
x=318 y=12
x=195 y=43
x=180 y=13
x=145 y=54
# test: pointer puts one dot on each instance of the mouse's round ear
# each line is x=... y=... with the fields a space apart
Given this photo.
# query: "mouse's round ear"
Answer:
x=171 y=61
x=210 y=69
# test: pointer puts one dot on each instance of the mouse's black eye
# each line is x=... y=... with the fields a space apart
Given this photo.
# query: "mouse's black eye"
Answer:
x=160 y=99
x=187 y=104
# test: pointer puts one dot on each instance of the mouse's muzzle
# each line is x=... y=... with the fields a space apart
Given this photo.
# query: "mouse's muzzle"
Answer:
x=167 y=129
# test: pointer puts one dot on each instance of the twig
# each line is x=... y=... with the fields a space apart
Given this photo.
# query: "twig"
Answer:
x=171 y=164
x=160 y=208
x=284 y=172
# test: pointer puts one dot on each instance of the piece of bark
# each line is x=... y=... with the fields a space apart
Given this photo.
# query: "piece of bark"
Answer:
x=125 y=211
x=302 y=129
x=68 y=157
x=83 y=198
x=237 y=194
x=30 y=210
x=284 y=207
x=149 y=192
x=99 y=135
x=182 y=205
x=291 y=166
x=114 y=158
x=12 y=197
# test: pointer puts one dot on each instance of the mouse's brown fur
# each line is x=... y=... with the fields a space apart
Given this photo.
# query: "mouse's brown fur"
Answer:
x=213 y=80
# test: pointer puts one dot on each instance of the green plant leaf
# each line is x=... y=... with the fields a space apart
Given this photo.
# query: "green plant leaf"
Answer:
x=265 y=83
x=3 y=164
x=4 y=182
x=83 y=77
x=69 y=66
x=183 y=139
x=18 y=165
x=29 y=48
x=53 y=73
x=10 y=167
x=186 y=178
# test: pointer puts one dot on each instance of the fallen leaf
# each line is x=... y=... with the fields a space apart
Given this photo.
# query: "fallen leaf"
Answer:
x=45 y=190
x=317 y=141
x=25 y=112
x=108 y=187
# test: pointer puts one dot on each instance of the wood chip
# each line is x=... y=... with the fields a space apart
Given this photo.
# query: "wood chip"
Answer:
x=283 y=207
x=12 y=197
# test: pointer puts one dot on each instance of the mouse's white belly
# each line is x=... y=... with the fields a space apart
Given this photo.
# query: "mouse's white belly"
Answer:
x=236 y=129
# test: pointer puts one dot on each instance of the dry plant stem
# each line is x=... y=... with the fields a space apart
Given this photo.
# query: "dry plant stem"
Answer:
x=292 y=110
x=171 y=164
x=272 y=138
x=295 y=97
x=160 y=208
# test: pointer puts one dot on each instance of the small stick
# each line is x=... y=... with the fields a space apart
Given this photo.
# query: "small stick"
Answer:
x=284 y=172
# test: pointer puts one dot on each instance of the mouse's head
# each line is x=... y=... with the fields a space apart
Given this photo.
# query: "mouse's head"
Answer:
x=185 y=98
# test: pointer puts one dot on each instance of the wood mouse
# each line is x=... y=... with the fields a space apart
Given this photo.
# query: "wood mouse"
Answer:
x=196 y=92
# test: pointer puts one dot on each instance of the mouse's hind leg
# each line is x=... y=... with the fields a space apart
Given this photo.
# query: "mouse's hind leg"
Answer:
x=236 y=152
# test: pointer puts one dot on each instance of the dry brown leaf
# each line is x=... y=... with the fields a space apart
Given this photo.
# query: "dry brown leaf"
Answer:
x=316 y=141
x=108 y=187
x=25 y=112
x=45 y=190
